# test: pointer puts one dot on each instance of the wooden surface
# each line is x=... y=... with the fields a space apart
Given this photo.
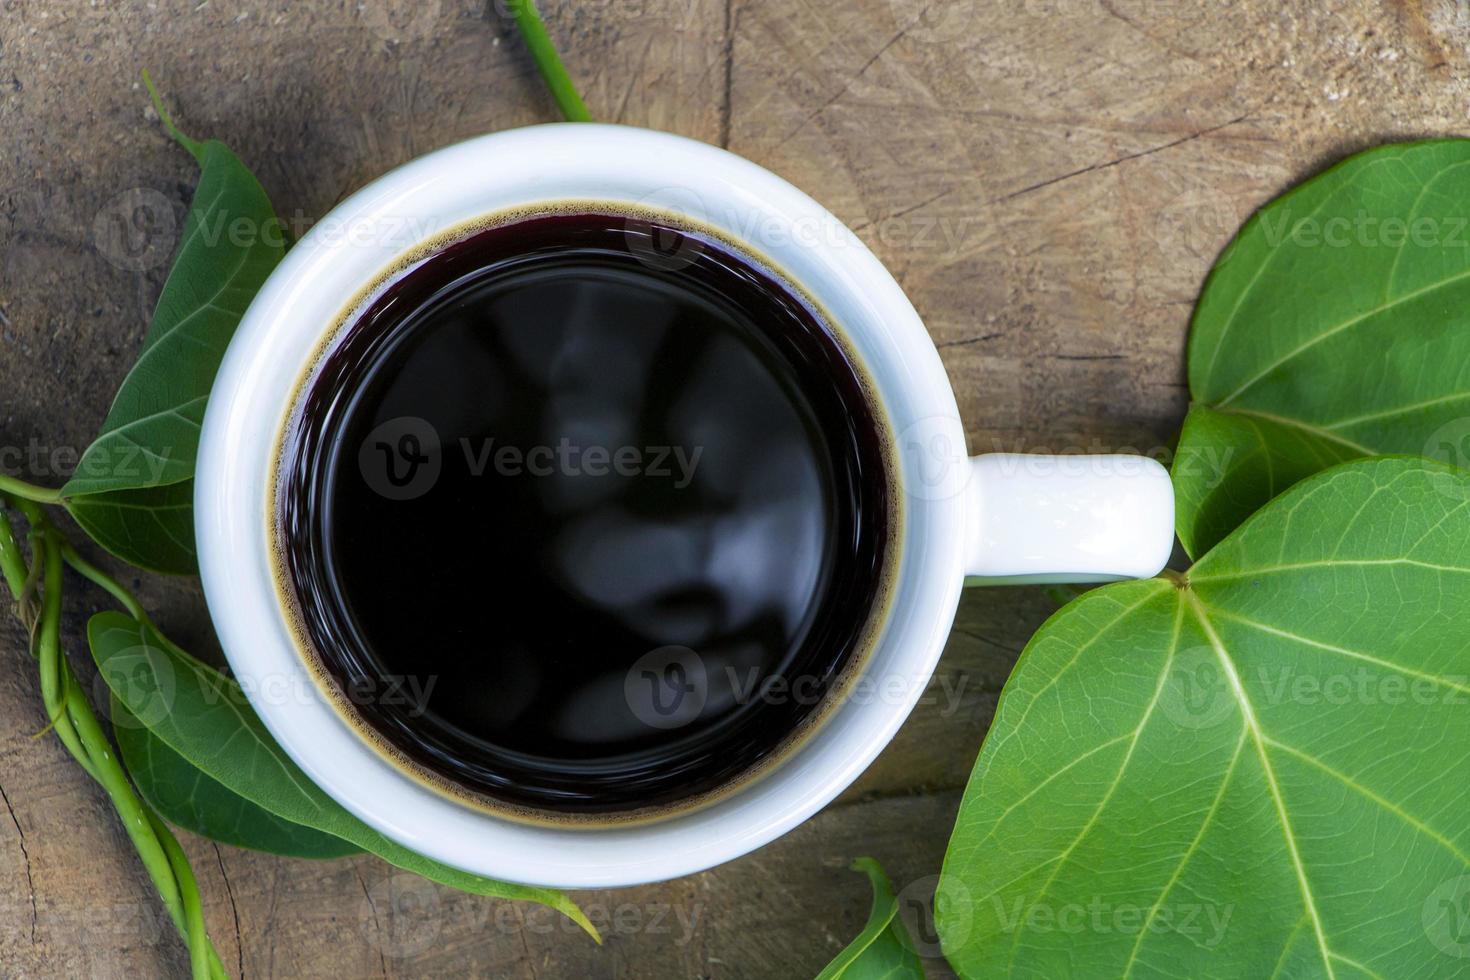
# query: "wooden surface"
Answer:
x=1049 y=180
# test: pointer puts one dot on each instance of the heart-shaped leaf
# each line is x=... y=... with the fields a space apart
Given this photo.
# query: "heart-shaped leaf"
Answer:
x=206 y=718
x=186 y=797
x=879 y=952
x=150 y=439
x=1336 y=325
x=1259 y=769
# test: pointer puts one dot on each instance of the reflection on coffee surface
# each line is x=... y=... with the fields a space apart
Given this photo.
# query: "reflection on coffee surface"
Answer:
x=586 y=514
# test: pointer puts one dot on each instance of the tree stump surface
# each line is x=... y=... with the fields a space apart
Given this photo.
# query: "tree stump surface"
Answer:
x=1049 y=180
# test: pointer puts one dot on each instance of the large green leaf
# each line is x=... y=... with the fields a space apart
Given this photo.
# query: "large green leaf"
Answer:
x=150 y=438
x=1260 y=769
x=1336 y=325
x=187 y=798
x=152 y=527
x=880 y=951
x=206 y=718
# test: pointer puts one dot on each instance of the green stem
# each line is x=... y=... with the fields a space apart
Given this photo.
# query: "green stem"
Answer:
x=48 y=649
x=563 y=89
x=199 y=947
x=192 y=145
x=105 y=582
x=77 y=726
x=12 y=562
x=28 y=491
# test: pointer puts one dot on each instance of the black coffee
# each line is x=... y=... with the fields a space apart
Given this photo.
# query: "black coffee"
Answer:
x=586 y=515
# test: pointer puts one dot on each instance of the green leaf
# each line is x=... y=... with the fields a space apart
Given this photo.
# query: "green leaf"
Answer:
x=152 y=528
x=206 y=718
x=881 y=951
x=1336 y=325
x=150 y=438
x=1257 y=770
x=1229 y=465
x=188 y=798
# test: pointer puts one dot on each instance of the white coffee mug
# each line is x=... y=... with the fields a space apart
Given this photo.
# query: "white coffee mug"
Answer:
x=998 y=518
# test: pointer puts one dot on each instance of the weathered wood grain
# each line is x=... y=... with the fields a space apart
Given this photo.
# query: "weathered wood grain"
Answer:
x=1049 y=179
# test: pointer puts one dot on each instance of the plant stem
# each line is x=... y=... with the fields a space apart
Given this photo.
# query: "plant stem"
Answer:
x=12 y=562
x=193 y=912
x=105 y=582
x=563 y=89
x=28 y=491
x=48 y=650
x=77 y=726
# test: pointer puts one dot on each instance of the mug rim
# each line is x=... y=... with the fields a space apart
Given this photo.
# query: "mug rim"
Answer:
x=529 y=168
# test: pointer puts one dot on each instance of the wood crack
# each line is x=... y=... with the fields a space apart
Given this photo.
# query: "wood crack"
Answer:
x=377 y=922
x=25 y=860
x=847 y=85
x=729 y=86
x=1096 y=167
x=985 y=639
x=234 y=912
x=966 y=342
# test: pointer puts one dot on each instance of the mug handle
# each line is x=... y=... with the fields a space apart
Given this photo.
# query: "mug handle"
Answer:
x=1039 y=519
